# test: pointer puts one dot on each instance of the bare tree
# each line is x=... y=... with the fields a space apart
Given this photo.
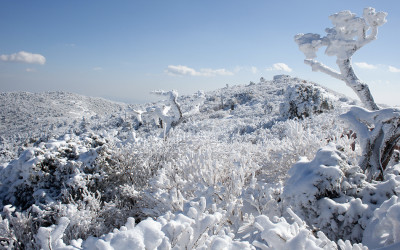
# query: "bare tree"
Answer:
x=349 y=34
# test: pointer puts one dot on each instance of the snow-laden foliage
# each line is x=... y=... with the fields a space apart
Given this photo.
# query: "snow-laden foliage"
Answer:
x=198 y=228
x=304 y=100
x=333 y=196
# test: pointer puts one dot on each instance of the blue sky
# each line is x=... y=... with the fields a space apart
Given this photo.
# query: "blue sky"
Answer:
x=122 y=50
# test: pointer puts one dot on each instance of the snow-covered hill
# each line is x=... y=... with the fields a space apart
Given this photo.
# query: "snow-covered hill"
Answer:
x=28 y=117
x=235 y=171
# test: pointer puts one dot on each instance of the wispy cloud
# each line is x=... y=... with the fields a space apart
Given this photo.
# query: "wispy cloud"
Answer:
x=30 y=70
x=364 y=65
x=251 y=69
x=280 y=67
x=24 y=57
x=394 y=69
x=254 y=70
x=214 y=72
x=97 y=68
x=180 y=70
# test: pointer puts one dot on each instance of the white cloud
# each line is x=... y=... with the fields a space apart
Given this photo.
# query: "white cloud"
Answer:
x=97 y=68
x=280 y=66
x=180 y=70
x=364 y=65
x=24 y=57
x=394 y=69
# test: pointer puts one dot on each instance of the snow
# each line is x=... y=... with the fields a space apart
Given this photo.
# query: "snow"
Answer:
x=384 y=227
x=232 y=173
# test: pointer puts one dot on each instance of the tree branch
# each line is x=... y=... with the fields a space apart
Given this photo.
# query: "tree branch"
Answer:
x=317 y=66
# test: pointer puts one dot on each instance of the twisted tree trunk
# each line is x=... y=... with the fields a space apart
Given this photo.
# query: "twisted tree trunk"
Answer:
x=360 y=88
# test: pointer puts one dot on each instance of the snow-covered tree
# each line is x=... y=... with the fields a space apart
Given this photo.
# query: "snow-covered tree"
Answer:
x=138 y=115
x=173 y=99
x=349 y=34
x=169 y=119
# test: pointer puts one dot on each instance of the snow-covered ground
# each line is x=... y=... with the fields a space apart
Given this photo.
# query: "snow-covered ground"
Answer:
x=257 y=166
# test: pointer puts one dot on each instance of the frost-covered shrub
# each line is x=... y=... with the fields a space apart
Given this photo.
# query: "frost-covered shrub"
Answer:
x=244 y=97
x=83 y=178
x=198 y=228
x=304 y=100
x=42 y=174
x=280 y=234
x=263 y=198
x=17 y=230
x=320 y=192
x=195 y=168
x=311 y=181
x=333 y=196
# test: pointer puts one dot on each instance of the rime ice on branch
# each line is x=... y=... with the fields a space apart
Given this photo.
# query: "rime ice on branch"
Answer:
x=349 y=34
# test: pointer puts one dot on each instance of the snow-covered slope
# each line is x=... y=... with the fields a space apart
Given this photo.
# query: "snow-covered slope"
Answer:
x=22 y=112
x=218 y=179
x=29 y=117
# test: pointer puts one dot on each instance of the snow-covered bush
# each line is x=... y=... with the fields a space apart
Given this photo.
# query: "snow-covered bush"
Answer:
x=304 y=100
x=17 y=230
x=334 y=196
x=83 y=178
x=193 y=168
x=198 y=228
